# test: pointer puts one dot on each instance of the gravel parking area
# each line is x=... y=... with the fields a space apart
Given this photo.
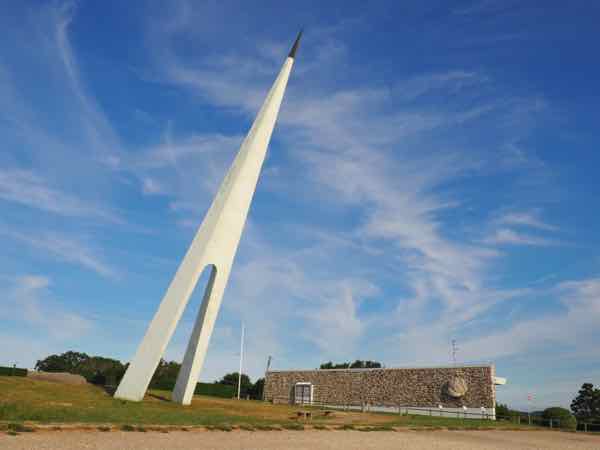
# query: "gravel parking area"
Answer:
x=310 y=440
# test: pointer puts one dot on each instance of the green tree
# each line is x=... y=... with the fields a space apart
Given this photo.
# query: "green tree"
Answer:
x=358 y=364
x=232 y=380
x=95 y=369
x=504 y=412
x=256 y=392
x=165 y=375
x=586 y=406
x=66 y=362
x=561 y=418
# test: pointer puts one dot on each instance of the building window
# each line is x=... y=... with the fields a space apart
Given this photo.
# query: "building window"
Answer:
x=303 y=393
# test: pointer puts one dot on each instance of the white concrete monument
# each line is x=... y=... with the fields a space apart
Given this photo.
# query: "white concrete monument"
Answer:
x=214 y=245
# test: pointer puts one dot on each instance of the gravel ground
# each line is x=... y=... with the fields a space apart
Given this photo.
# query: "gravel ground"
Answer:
x=311 y=440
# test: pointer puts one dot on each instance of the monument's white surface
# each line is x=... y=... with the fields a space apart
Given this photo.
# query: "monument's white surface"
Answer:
x=214 y=246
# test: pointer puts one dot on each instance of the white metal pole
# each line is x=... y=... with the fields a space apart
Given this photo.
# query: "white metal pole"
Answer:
x=241 y=359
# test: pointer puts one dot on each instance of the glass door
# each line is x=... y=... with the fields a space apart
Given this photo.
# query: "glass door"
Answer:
x=302 y=393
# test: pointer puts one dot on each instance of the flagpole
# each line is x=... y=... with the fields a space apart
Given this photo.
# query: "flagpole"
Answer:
x=241 y=359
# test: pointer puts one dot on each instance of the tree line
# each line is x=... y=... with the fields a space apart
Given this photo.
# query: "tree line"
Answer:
x=108 y=372
x=358 y=364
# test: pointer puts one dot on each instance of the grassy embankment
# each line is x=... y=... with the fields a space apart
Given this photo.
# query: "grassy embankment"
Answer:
x=25 y=400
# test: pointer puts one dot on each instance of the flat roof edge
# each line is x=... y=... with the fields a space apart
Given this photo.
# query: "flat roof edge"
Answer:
x=470 y=366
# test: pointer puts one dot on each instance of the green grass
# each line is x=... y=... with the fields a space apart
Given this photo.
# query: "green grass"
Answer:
x=44 y=402
x=25 y=400
x=380 y=428
x=266 y=428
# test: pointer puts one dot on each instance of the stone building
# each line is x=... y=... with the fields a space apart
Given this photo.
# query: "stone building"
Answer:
x=468 y=391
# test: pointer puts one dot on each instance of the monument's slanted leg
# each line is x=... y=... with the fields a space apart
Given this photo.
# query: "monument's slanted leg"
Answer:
x=198 y=344
x=134 y=384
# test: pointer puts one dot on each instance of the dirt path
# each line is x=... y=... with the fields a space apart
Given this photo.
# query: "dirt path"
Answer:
x=310 y=440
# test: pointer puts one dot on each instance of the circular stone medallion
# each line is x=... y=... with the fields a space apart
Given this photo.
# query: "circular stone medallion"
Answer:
x=457 y=387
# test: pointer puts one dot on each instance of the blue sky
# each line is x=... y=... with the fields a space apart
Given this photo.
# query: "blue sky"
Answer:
x=433 y=176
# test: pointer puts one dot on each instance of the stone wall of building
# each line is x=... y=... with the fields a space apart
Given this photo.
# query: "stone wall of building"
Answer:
x=416 y=387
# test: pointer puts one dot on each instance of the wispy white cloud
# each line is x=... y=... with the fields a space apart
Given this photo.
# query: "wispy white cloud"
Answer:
x=186 y=169
x=150 y=186
x=526 y=218
x=512 y=237
x=28 y=302
x=28 y=188
x=59 y=169
x=450 y=82
x=64 y=248
x=564 y=330
x=508 y=229
x=336 y=321
x=99 y=131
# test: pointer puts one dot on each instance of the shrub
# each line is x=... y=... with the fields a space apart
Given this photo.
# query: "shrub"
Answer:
x=563 y=418
x=20 y=428
x=13 y=371
x=503 y=412
x=95 y=369
x=215 y=390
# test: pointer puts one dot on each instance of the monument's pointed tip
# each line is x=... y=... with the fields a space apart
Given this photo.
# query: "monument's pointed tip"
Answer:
x=295 y=46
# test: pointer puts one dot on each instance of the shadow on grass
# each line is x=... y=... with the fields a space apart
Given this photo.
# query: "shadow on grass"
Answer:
x=110 y=390
x=158 y=397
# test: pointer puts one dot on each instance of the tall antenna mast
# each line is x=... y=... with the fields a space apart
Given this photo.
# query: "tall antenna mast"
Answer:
x=454 y=351
x=266 y=371
x=241 y=359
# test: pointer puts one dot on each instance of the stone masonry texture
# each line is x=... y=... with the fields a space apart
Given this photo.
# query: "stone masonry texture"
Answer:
x=416 y=387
